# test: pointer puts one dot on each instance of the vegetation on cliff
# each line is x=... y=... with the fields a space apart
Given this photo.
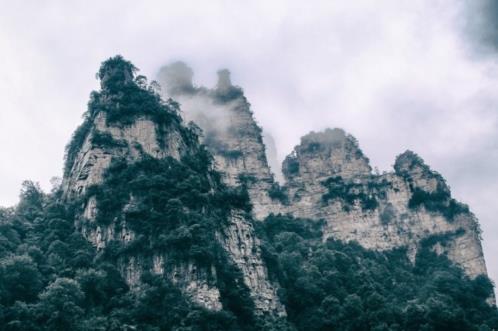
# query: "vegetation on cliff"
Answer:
x=52 y=278
x=122 y=99
x=338 y=286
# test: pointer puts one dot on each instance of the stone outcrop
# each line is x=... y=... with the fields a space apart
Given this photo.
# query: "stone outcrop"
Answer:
x=144 y=136
x=244 y=247
x=326 y=177
x=139 y=137
x=89 y=166
x=329 y=178
x=229 y=131
x=231 y=134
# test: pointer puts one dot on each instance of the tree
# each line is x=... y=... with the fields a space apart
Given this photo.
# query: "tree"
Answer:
x=31 y=200
x=20 y=279
x=60 y=305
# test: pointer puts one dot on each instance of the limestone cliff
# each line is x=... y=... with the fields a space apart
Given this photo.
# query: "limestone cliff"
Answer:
x=89 y=166
x=158 y=135
x=328 y=177
x=229 y=130
x=231 y=134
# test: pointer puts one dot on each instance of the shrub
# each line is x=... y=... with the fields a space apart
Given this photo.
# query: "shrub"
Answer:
x=438 y=201
x=276 y=192
x=348 y=192
x=388 y=214
x=106 y=140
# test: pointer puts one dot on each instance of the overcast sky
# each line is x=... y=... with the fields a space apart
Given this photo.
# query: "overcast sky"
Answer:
x=420 y=75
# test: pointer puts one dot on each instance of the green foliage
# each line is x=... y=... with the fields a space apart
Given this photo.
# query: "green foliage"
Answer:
x=348 y=192
x=407 y=162
x=106 y=140
x=387 y=215
x=277 y=192
x=169 y=203
x=20 y=279
x=246 y=179
x=61 y=305
x=176 y=207
x=438 y=201
x=31 y=200
x=291 y=165
x=116 y=72
x=51 y=278
x=227 y=95
x=337 y=286
x=77 y=140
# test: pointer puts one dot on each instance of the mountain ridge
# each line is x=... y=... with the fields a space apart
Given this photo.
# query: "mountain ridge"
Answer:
x=332 y=160
x=162 y=225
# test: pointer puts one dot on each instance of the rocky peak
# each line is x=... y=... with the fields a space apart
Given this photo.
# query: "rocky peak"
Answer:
x=128 y=126
x=412 y=167
x=329 y=178
x=323 y=154
x=116 y=72
x=224 y=81
x=125 y=119
x=176 y=78
x=230 y=133
x=407 y=160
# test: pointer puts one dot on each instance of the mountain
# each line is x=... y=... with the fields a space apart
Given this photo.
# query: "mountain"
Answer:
x=160 y=224
x=328 y=177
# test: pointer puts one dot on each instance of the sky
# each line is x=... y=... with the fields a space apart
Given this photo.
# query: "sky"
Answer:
x=419 y=75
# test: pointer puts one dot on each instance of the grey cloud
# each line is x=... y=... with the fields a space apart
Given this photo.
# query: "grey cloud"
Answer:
x=481 y=23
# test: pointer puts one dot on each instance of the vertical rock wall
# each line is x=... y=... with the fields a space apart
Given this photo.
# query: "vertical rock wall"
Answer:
x=231 y=134
x=375 y=210
x=90 y=164
x=377 y=214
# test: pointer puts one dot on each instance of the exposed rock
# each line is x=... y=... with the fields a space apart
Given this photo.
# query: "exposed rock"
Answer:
x=244 y=248
x=233 y=137
x=325 y=154
x=177 y=78
x=374 y=210
x=139 y=137
x=327 y=177
x=88 y=169
x=229 y=131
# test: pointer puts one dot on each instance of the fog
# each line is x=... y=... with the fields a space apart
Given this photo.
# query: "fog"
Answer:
x=419 y=75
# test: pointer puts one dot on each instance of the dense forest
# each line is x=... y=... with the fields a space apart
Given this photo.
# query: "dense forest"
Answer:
x=52 y=278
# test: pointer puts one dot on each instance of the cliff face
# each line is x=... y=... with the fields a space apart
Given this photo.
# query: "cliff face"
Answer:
x=89 y=167
x=229 y=131
x=102 y=140
x=328 y=177
x=234 y=139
